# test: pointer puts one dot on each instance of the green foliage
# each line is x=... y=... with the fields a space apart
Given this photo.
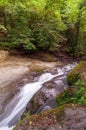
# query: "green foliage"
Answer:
x=63 y=98
x=81 y=47
x=74 y=75
x=29 y=28
x=19 y=39
x=42 y=24
x=72 y=78
x=46 y=36
x=79 y=95
x=77 y=23
x=3 y=29
x=76 y=94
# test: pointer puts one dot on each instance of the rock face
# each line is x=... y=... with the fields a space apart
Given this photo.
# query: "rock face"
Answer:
x=68 y=117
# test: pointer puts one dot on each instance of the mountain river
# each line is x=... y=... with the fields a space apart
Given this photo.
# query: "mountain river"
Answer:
x=17 y=105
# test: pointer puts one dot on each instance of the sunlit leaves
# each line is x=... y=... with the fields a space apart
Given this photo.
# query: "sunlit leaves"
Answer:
x=47 y=20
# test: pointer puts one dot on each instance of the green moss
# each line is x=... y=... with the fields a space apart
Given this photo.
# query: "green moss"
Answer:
x=74 y=75
x=64 y=97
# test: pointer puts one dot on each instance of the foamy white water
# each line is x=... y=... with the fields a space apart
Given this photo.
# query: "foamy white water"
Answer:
x=6 y=128
x=27 y=93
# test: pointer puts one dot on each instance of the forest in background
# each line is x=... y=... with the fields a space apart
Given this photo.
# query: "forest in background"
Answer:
x=32 y=25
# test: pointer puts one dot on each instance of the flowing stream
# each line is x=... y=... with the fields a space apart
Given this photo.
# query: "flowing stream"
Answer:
x=18 y=104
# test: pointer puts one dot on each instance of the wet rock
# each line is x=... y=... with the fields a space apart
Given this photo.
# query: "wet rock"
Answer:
x=46 y=108
x=50 y=103
x=45 y=96
x=49 y=91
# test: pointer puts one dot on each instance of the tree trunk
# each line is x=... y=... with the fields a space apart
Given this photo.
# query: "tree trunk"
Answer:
x=5 y=21
x=73 y=35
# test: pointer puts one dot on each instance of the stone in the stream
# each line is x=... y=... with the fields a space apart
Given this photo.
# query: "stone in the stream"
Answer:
x=50 y=103
x=46 y=108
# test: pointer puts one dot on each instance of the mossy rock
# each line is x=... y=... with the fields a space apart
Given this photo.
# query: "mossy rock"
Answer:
x=75 y=74
x=65 y=117
x=64 y=97
x=75 y=94
x=42 y=119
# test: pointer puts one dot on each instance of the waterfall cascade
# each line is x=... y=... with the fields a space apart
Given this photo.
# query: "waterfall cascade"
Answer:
x=26 y=93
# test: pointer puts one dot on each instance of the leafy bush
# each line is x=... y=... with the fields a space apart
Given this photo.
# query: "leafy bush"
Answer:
x=3 y=29
x=74 y=75
x=75 y=94
x=43 y=24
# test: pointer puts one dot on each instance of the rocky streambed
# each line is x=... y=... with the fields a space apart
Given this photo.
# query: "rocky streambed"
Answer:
x=15 y=72
x=66 y=117
x=45 y=98
x=30 y=86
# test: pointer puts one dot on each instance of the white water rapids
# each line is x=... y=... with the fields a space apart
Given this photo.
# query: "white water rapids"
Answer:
x=27 y=92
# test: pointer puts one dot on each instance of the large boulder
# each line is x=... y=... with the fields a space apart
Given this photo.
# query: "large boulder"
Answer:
x=67 y=117
x=45 y=98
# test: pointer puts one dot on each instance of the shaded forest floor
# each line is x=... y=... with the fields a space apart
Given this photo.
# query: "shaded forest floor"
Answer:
x=48 y=56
